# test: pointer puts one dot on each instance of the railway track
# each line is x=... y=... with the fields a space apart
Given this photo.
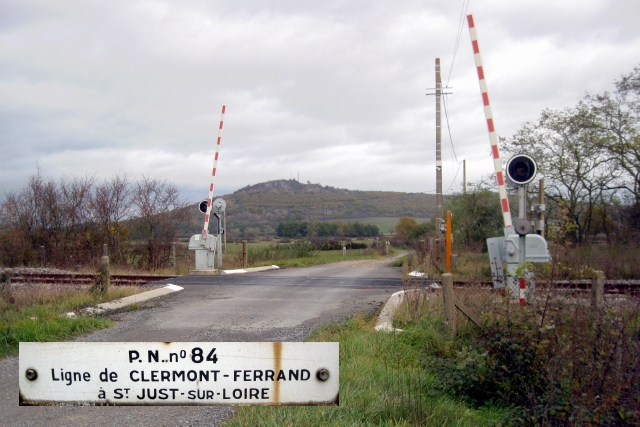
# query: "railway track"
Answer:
x=610 y=286
x=86 y=279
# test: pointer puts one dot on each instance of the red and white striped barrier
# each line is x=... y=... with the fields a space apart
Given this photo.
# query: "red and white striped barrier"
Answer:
x=506 y=213
x=205 y=229
x=523 y=287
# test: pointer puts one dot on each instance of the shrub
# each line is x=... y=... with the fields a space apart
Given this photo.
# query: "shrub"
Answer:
x=580 y=366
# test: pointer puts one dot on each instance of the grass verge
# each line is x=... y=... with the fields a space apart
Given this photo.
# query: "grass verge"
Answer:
x=402 y=260
x=382 y=383
x=558 y=361
x=324 y=257
x=38 y=314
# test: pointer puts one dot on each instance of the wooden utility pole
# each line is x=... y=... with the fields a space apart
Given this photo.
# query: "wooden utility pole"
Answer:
x=464 y=177
x=438 y=151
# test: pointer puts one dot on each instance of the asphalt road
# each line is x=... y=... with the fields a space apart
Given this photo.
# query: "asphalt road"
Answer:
x=280 y=305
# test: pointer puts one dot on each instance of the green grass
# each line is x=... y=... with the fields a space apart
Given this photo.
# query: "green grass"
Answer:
x=323 y=257
x=39 y=315
x=382 y=383
x=233 y=247
x=400 y=261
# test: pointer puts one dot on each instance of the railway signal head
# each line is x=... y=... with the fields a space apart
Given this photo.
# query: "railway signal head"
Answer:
x=521 y=169
x=219 y=206
x=203 y=206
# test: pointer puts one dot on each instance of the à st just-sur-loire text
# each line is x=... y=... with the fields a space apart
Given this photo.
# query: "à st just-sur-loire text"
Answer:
x=171 y=384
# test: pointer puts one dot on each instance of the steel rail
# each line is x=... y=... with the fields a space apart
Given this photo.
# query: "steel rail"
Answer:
x=610 y=286
x=86 y=278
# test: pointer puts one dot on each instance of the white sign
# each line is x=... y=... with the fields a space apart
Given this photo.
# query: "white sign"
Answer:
x=179 y=373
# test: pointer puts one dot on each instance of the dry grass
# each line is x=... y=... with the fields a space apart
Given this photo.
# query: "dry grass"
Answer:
x=559 y=361
x=33 y=312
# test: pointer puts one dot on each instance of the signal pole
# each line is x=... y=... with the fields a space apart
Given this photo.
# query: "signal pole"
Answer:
x=438 y=151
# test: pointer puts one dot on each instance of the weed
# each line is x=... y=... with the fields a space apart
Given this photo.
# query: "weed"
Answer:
x=36 y=313
x=557 y=362
x=382 y=383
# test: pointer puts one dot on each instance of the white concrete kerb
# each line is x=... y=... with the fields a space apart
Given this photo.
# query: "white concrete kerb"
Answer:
x=133 y=299
x=385 y=320
x=251 y=269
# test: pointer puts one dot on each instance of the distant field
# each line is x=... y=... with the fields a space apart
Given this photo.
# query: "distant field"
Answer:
x=385 y=224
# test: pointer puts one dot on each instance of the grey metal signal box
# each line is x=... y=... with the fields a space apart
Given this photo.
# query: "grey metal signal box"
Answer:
x=508 y=250
x=508 y=254
x=205 y=251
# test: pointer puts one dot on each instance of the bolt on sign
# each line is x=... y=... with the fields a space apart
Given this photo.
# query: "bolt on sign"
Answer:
x=179 y=373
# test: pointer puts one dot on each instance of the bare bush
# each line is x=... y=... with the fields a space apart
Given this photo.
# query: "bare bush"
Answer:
x=158 y=212
x=73 y=217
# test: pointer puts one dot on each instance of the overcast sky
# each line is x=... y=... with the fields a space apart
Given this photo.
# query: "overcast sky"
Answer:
x=333 y=89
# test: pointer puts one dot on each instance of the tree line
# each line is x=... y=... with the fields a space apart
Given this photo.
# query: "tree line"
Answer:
x=72 y=217
x=326 y=229
x=589 y=155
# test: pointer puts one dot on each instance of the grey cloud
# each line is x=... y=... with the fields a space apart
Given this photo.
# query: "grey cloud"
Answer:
x=334 y=89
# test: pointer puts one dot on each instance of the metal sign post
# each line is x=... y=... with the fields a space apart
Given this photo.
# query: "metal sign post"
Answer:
x=219 y=206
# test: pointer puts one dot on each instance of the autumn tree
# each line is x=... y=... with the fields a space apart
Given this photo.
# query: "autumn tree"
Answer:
x=421 y=231
x=590 y=158
x=568 y=148
x=404 y=226
x=476 y=215
x=618 y=114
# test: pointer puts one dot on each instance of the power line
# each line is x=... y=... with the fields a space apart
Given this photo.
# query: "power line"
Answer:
x=463 y=13
x=454 y=178
x=446 y=114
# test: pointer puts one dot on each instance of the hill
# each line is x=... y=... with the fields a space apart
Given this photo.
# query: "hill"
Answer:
x=256 y=210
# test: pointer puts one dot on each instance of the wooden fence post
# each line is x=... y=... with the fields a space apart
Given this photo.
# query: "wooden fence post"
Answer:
x=597 y=290
x=449 y=303
x=104 y=276
x=244 y=254
x=173 y=257
x=5 y=284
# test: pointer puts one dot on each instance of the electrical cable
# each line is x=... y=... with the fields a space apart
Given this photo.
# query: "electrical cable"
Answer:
x=446 y=115
x=463 y=13
x=454 y=178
